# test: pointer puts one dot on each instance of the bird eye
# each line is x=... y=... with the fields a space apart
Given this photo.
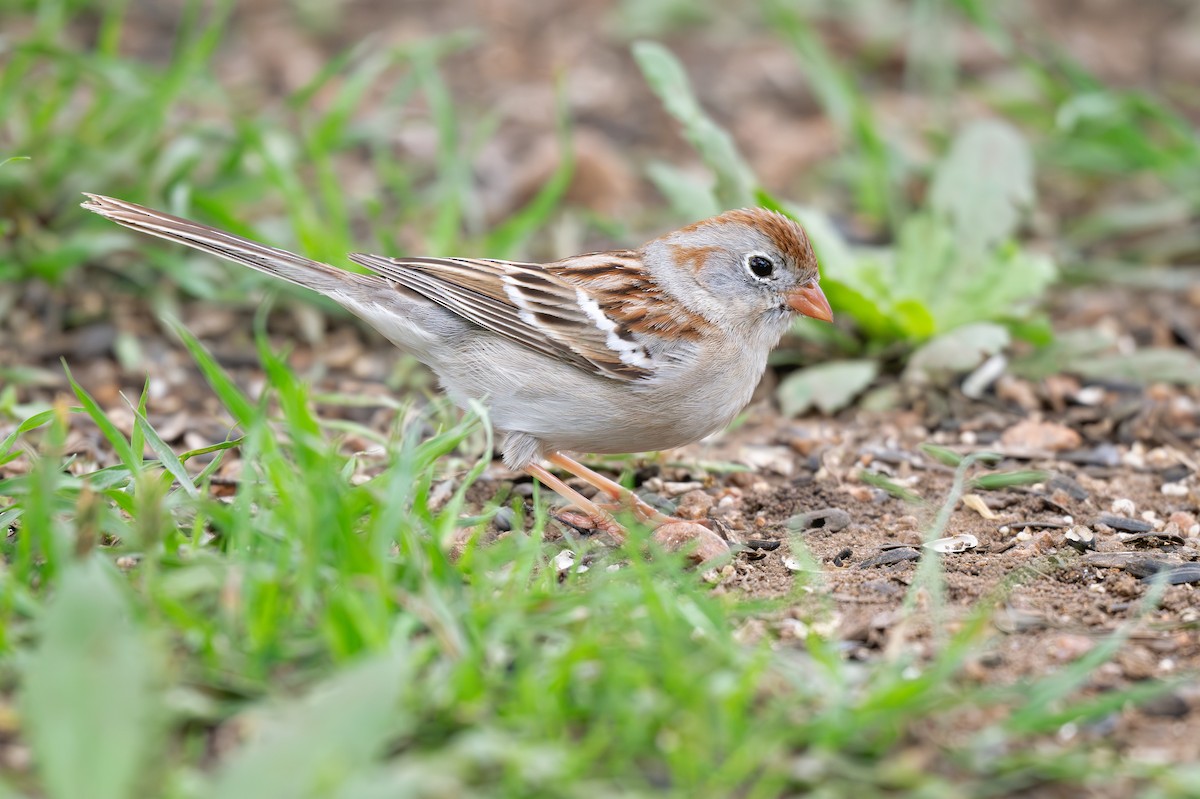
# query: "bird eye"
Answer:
x=760 y=266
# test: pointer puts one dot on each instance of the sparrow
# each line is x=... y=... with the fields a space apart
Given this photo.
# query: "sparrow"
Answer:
x=606 y=352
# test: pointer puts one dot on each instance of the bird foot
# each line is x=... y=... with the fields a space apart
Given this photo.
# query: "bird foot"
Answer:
x=590 y=524
x=673 y=535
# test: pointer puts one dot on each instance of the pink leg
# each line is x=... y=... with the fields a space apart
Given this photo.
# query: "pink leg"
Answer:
x=616 y=491
x=600 y=517
x=670 y=533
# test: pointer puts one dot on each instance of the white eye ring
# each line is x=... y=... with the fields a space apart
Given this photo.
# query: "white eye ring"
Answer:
x=760 y=265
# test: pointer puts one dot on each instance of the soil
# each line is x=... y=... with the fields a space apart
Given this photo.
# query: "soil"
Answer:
x=1108 y=447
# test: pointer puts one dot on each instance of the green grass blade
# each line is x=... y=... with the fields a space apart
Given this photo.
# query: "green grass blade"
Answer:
x=89 y=700
x=238 y=405
x=669 y=82
x=7 y=454
x=165 y=454
x=1002 y=480
x=312 y=745
x=893 y=488
x=114 y=436
x=508 y=235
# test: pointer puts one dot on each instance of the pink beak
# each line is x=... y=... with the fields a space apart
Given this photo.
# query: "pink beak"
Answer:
x=810 y=301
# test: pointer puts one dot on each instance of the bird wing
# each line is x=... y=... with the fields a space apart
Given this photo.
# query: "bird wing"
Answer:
x=536 y=306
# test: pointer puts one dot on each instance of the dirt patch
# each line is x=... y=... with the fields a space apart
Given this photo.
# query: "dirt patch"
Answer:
x=1135 y=459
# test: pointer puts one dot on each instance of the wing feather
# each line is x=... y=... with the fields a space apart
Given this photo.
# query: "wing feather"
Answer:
x=525 y=303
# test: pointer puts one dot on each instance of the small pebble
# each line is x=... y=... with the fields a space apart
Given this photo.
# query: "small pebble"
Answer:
x=1179 y=575
x=1123 y=507
x=891 y=556
x=694 y=505
x=1090 y=396
x=1031 y=435
x=657 y=501
x=1174 y=489
x=1125 y=524
x=678 y=489
x=1081 y=538
x=953 y=544
x=765 y=544
x=563 y=562
x=1171 y=706
x=503 y=520
x=1103 y=455
x=831 y=520
x=1183 y=520
x=1175 y=473
x=1060 y=482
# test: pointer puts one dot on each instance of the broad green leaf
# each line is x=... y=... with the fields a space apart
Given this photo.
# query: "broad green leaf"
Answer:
x=984 y=185
x=1001 y=284
x=926 y=263
x=311 y=746
x=960 y=350
x=914 y=318
x=829 y=387
x=874 y=320
x=90 y=702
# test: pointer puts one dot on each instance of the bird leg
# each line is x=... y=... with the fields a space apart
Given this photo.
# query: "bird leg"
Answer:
x=669 y=533
x=624 y=498
x=599 y=517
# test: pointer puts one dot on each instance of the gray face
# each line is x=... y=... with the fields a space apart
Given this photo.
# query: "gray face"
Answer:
x=752 y=277
x=736 y=269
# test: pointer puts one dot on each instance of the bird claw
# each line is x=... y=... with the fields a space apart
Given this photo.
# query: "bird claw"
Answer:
x=587 y=524
x=675 y=535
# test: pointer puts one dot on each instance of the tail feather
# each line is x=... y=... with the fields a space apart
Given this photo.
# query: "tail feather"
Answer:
x=273 y=261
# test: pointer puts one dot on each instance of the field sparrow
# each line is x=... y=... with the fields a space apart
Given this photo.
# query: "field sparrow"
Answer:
x=609 y=352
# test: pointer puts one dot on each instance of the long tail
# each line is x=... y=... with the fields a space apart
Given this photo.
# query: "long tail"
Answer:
x=294 y=268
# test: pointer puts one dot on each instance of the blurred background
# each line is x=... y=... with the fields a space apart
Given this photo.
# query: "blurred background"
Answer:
x=535 y=131
x=538 y=130
x=954 y=162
